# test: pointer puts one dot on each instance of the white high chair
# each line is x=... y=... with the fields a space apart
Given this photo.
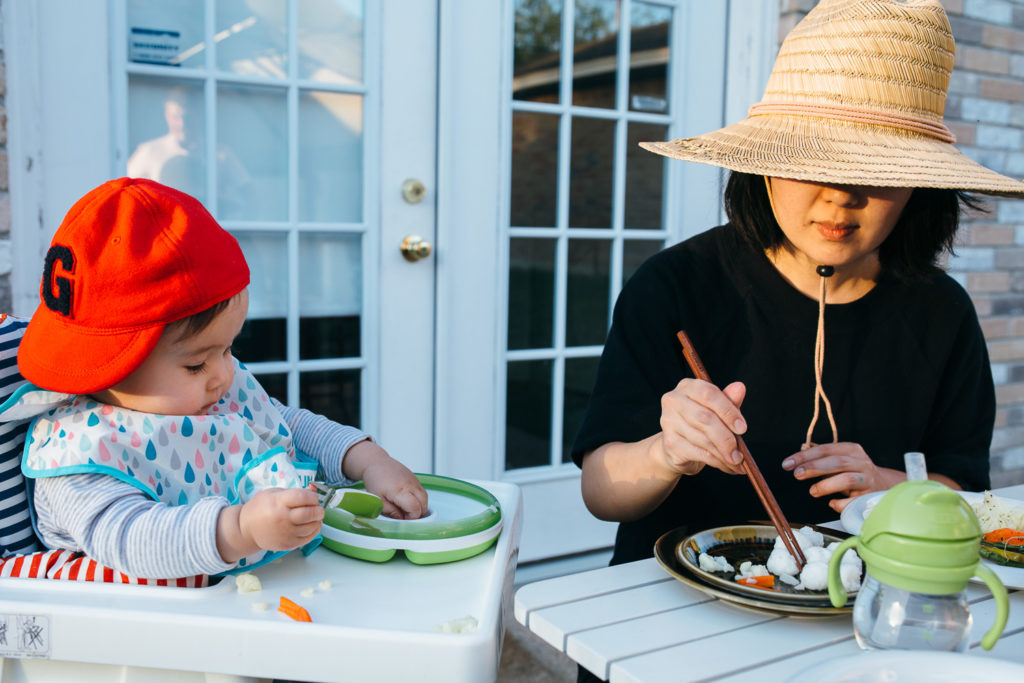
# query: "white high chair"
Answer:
x=389 y=621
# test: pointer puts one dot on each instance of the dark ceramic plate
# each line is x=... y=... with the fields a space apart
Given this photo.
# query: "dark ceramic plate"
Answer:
x=670 y=548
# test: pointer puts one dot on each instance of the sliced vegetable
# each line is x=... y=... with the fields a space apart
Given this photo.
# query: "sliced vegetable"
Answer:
x=1011 y=536
x=296 y=612
x=757 y=581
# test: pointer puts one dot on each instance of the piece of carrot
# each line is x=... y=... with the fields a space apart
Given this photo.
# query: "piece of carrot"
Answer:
x=1005 y=536
x=296 y=612
x=757 y=581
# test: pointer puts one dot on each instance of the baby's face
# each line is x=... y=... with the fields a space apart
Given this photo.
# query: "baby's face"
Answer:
x=184 y=376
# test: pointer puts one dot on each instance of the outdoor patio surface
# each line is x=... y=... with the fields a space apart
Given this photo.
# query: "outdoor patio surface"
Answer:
x=525 y=658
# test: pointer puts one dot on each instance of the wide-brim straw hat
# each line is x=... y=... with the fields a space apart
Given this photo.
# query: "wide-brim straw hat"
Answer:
x=856 y=97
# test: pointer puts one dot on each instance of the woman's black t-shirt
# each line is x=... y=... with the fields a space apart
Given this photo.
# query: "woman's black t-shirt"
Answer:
x=905 y=369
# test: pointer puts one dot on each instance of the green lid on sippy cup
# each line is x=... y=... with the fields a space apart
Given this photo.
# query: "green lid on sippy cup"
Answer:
x=921 y=536
x=924 y=538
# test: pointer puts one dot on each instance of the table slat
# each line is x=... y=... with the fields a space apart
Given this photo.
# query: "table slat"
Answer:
x=565 y=589
x=554 y=624
x=597 y=648
x=734 y=651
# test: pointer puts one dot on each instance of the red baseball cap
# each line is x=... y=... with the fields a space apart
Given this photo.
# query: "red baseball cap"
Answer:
x=130 y=257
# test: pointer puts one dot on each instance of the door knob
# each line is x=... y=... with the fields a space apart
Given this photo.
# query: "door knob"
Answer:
x=415 y=248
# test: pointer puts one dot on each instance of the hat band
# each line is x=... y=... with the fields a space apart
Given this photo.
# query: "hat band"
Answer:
x=858 y=115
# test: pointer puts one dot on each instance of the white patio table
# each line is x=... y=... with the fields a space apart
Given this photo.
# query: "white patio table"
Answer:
x=636 y=623
x=376 y=622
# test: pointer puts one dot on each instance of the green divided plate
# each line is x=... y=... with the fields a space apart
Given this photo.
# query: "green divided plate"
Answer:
x=463 y=520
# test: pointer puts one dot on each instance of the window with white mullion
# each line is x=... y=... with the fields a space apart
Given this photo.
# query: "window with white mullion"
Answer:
x=589 y=112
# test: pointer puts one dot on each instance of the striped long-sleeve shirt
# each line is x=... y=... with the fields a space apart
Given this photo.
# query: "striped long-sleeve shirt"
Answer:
x=119 y=526
x=16 y=535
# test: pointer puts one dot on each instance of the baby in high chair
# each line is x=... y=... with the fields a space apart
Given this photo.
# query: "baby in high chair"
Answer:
x=153 y=451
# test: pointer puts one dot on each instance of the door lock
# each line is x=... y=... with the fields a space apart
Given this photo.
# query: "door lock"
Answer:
x=415 y=248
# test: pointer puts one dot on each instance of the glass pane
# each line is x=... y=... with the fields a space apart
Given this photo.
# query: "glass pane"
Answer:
x=332 y=393
x=596 y=35
x=534 y=170
x=251 y=37
x=645 y=180
x=531 y=293
x=586 y=315
x=168 y=33
x=649 y=57
x=330 y=157
x=330 y=294
x=635 y=252
x=167 y=133
x=263 y=337
x=538 y=43
x=579 y=380
x=331 y=41
x=252 y=179
x=528 y=414
x=276 y=385
x=590 y=176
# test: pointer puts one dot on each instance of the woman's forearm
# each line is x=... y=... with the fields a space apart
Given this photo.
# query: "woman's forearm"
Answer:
x=625 y=481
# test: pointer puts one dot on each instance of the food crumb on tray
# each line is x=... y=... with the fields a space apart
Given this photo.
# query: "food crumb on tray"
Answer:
x=248 y=583
x=260 y=606
x=464 y=624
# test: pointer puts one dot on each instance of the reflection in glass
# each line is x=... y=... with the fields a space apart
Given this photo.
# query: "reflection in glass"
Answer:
x=635 y=252
x=580 y=374
x=644 y=178
x=167 y=33
x=330 y=36
x=263 y=338
x=531 y=293
x=330 y=294
x=330 y=157
x=252 y=179
x=528 y=414
x=534 y=170
x=649 y=57
x=167 y=133
x=251 y=37
x=590 y=175
x=595 y=32
x=587 y=292
x=538 y=43
x=333 y=394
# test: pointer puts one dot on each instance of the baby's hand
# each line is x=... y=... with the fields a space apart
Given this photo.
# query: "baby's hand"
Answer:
x=281 y=519
x=402 y=493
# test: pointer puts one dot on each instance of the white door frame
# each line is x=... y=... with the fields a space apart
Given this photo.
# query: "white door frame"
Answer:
x=408 y=150
x=51 y=164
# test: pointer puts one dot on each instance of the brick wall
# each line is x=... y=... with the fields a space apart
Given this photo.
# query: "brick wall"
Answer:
x=985 y=110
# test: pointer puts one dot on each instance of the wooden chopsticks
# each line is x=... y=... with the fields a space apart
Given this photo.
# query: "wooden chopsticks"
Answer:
x=753 y=472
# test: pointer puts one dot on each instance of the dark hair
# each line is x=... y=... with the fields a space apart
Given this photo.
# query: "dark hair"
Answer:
x=197 y=322
x=925 y=230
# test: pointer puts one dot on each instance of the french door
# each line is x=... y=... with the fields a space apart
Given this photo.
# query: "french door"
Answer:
x=495 y=140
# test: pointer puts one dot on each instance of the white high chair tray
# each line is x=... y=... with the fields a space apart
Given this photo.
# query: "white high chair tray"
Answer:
x=377 y=621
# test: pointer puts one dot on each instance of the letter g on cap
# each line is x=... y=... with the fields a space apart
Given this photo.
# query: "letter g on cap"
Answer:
x=61 y=301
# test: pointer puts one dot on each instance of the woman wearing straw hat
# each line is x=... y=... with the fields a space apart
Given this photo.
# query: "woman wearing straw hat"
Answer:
x=820 y=307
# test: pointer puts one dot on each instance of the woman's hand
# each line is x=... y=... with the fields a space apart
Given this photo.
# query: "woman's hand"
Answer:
x=699 y=424
x=853 y=472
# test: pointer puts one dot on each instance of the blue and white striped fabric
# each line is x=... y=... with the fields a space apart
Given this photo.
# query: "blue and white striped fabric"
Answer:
x=16 y=534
